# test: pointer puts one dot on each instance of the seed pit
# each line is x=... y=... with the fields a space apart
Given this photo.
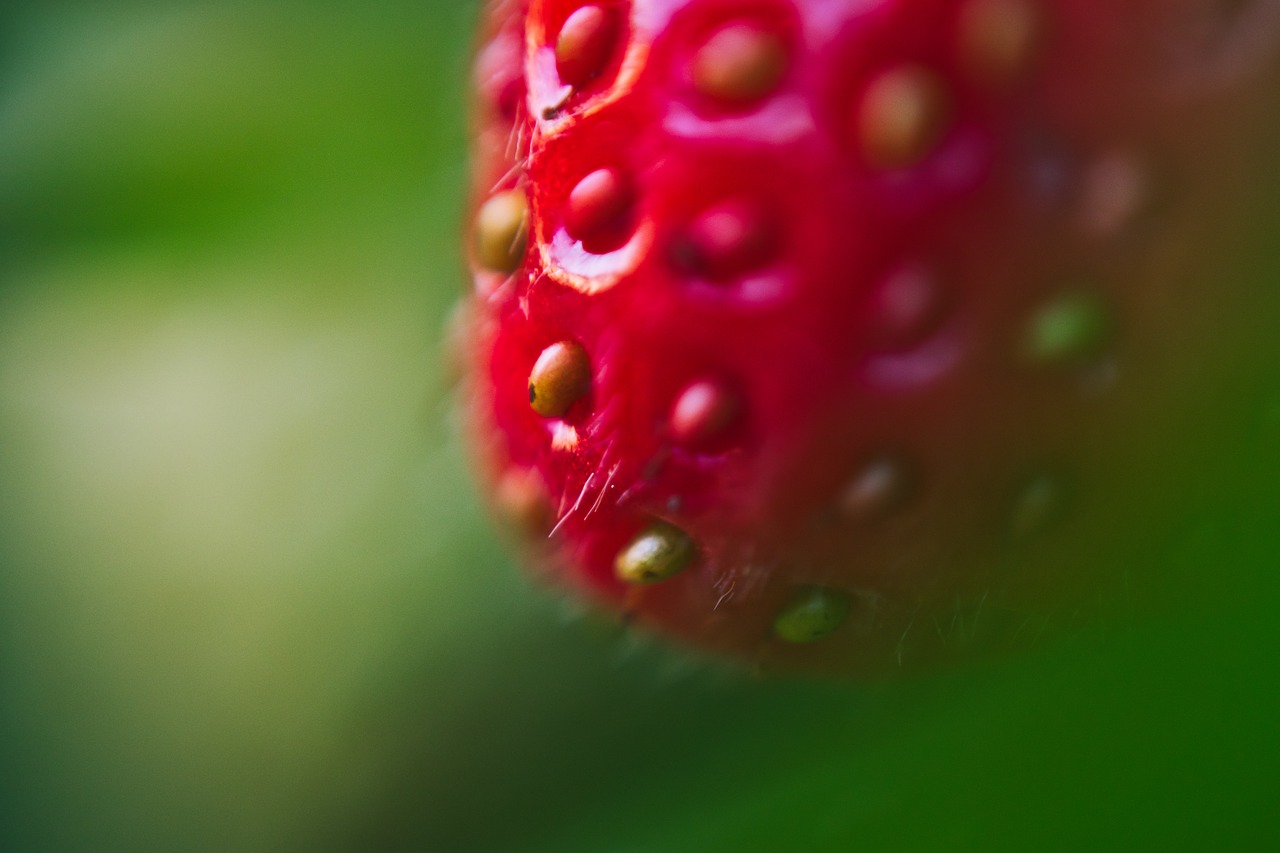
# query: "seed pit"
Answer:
x=727 y=240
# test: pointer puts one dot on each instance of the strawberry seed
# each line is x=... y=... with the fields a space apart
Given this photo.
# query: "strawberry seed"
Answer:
x=902 y=116
x=660 y=552
x=585 y=44
x=813 y=613
x=502 y=232
x=739 y=64
x=561 y=377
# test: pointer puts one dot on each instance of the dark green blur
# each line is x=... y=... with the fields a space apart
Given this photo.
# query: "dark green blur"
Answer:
x=248 y=600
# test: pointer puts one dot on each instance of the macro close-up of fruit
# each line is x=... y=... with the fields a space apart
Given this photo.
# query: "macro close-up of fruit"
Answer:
x=859 y=336
x=614 y=426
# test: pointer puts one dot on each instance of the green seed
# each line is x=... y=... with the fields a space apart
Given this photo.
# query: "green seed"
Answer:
x=1036 y=505
x=660 y=552
x=814 y=613
x=1069 y=329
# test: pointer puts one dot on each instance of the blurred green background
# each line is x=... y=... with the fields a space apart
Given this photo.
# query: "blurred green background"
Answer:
x=248 y=599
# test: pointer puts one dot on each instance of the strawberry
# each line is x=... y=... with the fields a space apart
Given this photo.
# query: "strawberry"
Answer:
x=848 y=335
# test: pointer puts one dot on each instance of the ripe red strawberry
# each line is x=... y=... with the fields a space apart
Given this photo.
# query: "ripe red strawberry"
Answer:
x=851 y=334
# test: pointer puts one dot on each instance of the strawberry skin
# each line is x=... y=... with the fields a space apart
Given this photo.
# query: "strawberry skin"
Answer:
x=847 y=335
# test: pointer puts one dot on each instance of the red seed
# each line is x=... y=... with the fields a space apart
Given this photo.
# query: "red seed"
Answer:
x=905 y=309
x=599 y=210
x=1115 y=191
x=704 y=413
x=731 y=238
x=585 y=44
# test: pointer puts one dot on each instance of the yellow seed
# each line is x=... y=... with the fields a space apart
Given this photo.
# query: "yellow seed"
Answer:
x=502 y=231
x=814 y=613
x=999 y=39
x=660 y=552
x=902 y=116
x=739 y=63
x=458 y=341
x=560 y=377
x=521 y=499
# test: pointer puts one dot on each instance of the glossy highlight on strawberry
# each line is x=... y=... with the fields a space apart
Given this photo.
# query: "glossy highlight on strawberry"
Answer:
x=855 y=336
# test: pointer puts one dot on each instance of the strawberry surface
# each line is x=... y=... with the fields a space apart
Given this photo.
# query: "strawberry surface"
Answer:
x=861 y=334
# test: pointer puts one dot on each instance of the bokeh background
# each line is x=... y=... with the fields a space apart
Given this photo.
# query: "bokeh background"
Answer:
x=249 y=600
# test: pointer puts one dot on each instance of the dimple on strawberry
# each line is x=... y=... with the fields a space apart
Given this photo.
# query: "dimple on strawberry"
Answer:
x=856 y=336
